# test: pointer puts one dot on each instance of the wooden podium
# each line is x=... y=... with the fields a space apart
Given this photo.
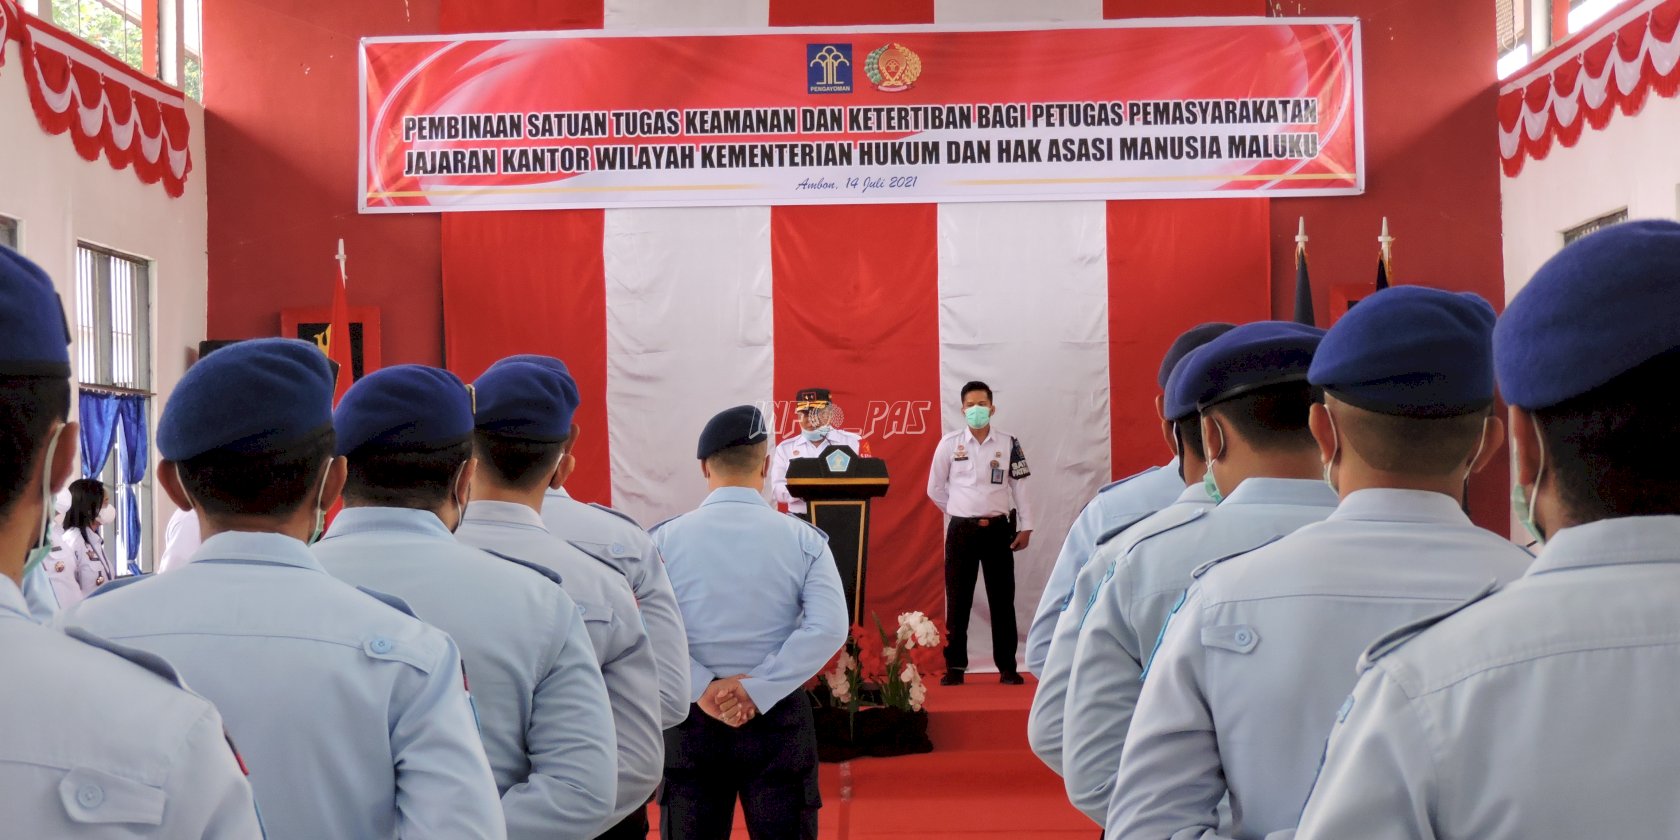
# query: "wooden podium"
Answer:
x=837 y=486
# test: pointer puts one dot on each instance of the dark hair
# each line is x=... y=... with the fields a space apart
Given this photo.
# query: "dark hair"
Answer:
x=976 y=385
x=1271 y=419
x=421 y=479
x=1415 y=446
x=1188 y=432
x=1610 y=450
x=29 y=406
x=516 y=462
x=87 y=496
x=274 y=484
x=739 y=459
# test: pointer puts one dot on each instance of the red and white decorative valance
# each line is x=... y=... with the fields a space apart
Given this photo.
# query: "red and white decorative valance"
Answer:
x=1613 y=65
x=105 y=105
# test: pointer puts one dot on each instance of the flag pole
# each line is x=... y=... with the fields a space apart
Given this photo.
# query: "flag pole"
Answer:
x=1303 y=286
x=1386 y=242
x=344 y=276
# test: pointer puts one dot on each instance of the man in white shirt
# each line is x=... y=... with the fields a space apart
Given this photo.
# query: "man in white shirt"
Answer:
x=816 y=413
x=180 y=539
x=976 y=481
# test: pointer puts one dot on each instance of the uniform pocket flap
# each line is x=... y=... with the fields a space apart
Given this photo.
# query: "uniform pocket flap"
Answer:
x=94 y=796
x=1237 y=638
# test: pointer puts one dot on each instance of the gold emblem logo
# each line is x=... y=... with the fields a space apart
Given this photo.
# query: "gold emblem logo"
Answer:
x=893 y=68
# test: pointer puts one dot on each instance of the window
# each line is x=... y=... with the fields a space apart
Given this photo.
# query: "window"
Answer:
x=115 y=26
x=1513 y=30
x=1595 y=225
x=1582 y=13
x=8 y=232
x=192 y=48
x=113 y=355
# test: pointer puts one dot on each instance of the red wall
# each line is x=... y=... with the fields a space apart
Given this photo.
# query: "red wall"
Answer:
x=281 y=136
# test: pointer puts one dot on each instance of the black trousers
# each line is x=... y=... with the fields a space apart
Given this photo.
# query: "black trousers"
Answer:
x=632 y=827
x=770 y=765
x=973 y=550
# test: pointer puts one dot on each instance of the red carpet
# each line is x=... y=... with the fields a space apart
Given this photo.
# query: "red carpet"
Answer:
x=981 y=780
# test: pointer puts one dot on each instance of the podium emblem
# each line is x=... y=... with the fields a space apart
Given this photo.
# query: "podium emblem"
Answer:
x=893 y=68
x=838 y=461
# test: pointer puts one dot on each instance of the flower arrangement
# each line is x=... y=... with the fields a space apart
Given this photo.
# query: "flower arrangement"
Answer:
x=893 y=676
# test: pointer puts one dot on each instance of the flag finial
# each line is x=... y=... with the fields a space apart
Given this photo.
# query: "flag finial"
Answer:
x=1301 y=233
x=342 y=273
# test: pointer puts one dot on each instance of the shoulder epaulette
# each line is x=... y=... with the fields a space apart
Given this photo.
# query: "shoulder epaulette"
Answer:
x=114 y=585
x=1203 y=569
x=618 y=513
x=801 y=520
x=389 y=600
x=664 y=522
x=150 y=661
x=1113 y=484
x=535 y=567
x=1194 y=515
x=1122 y=528
x=1396 y=638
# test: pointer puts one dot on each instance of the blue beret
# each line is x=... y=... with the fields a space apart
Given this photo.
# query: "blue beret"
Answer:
x=1189 y=340
x=1179 y=402
x=736 y=426
x=1244 y=359
x=1604 y=305
x=34 y=337
x=526 y=397
x=252 y=397
x=404 y=407
x=1412 y=352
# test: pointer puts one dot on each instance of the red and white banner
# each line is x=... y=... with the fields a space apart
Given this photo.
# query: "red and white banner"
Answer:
x=1124 y=109
x=106 y=106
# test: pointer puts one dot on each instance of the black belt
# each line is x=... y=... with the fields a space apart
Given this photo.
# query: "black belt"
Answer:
x=982 y=521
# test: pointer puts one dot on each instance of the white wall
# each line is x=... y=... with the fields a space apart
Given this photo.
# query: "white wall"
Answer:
x=63 y=199
x=1633 y=162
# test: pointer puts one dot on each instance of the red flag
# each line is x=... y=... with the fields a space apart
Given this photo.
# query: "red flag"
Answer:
x=338 y=338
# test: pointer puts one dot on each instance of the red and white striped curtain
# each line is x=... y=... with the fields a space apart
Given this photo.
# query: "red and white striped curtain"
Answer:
x=666 y=316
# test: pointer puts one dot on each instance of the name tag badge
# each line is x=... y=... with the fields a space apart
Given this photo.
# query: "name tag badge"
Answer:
x=997 y=473
x=961 y=454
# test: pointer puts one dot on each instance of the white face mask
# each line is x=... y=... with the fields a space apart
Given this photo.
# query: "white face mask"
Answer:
x=1335 y=449
x=107 y=515
x=38 y=554
x=320 y=509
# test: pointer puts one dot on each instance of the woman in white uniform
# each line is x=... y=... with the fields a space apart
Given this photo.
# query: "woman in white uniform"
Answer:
x=82 y=549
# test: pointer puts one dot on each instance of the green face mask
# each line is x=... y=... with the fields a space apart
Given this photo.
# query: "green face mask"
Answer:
x=977 y=416
x=38 y=554
x=1211 y=486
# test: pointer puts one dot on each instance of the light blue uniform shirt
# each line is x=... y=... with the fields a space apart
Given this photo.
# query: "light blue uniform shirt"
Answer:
x=615 y=631
x=542 y=705
x=350 y=713
x=38 y=594
x=1248 y=677
x=1044 y=722
x=1546 y=710
x=616 y=539
x=1117 y=506
x=759 y=592
x=1130 y=610
x=156 y=766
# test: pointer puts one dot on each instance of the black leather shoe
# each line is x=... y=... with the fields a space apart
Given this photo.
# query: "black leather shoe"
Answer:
x=1011 y=679
x=951 y=678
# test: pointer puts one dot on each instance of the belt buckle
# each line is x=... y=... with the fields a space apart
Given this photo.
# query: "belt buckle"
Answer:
x=985 y=521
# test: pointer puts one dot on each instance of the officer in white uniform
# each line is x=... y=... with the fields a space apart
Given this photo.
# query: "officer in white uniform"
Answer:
x=180 y=540
x=1116 y=507
x=762 y=601
x=1548 y=709
x=1248 y=676
x=406 y=432
x=815 y=410
x=1250 y=388
x=157 y=765
x=522 y=439
x=976 y=479
x=1044 y=721
x=351 y=712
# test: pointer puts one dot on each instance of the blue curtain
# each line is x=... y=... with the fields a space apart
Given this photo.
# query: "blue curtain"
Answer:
x=102 y=416
x=98 y=416
x=131 y=414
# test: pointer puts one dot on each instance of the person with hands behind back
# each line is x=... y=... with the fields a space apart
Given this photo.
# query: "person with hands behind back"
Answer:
x=761 y=598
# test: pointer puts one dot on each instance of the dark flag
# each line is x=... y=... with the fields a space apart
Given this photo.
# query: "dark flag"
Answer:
x=1303 y=286
x=1382 y=274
